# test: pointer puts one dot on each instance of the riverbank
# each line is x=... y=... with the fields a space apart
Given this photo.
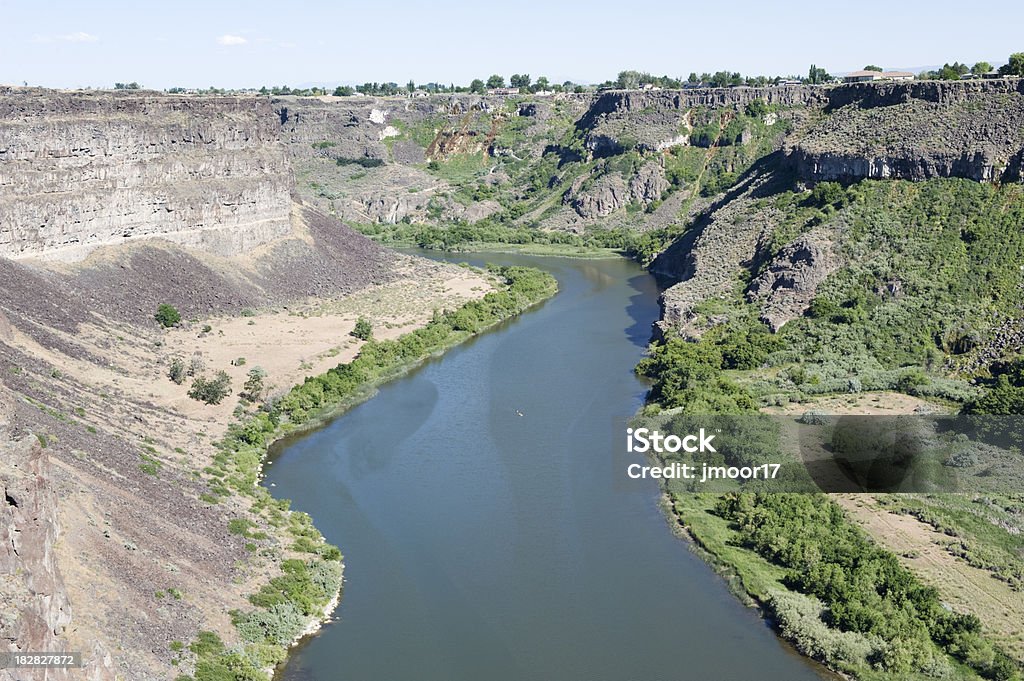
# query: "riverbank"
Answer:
x=293 y=605
x=494 y=238
x=538 y=249
x=481 y=489
x=721 y=528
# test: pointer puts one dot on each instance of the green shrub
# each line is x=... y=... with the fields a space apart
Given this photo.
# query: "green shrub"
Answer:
x=1002 y=399
x=196 y=365
x=167 y=315
x=363 y=329
x=279 y=624
x=757 y=108
x=206 y=643
x=255 y=385
x=828 y=194
x=361 y=161
x=690 y=374
x=297 y=587
x=239 y=526
x=211 y=391
x=865 y=589
x=800 y=620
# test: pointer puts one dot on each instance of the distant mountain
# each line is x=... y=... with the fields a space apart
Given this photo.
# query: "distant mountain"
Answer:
x=928 y=67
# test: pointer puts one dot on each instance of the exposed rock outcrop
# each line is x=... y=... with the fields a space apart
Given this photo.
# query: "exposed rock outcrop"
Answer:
x=915 y=131
x=791 y=281
x=34 y=607
x=723 y=240
x=648 y=184
x=656 y=120
x=80 y=169
x=603 y=197
x=390 y=208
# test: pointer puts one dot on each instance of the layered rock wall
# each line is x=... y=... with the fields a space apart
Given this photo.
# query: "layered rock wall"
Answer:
x=915 y=131
x=80 y=169
x=654 y=120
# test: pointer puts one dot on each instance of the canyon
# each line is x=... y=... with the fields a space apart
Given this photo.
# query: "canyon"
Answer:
x=236 y=207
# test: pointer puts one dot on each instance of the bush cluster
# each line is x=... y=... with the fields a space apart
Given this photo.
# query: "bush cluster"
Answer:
x=691 y=374
x=865 y=589
x=211 y=390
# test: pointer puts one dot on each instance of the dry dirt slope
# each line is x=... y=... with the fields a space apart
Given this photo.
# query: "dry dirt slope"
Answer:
x=86 y=403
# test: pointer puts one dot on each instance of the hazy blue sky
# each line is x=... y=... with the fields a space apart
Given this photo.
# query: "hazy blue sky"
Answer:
x=69 y=43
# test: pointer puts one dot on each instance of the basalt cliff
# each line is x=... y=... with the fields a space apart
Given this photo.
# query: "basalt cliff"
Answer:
x=79 y=171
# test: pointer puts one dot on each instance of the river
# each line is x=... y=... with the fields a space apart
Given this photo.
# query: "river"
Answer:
x=487 y=527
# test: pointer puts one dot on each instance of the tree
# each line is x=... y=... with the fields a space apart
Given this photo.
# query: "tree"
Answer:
x=541 y=84
x=872 y=67
x=363 y=329
x=981 y=68
x=628 y=80
x=1014 y=67
x=255 y=385
x=213 y=390
x=817 y=75
x=757 y=108
x=952 y=71
x=520 y=80
x=477 y=86
x=1004 y=398
x=127 y=86
x=411 y=86
x=167 y=315
x=496 y=81
x=343 y=91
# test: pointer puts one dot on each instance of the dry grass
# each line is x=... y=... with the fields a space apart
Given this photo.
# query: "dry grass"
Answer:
x=964 y=588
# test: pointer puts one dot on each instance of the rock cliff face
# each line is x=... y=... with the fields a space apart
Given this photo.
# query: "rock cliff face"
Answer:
x=648 y=184
x=787 y=287
x=605 y=196
x=912 y=131
x=35 y=610
x=362 y=158
x=655 y=120
x=908 y=130
x=723 y=240
x=915 y=131
x=78 y=170
x=161 y=187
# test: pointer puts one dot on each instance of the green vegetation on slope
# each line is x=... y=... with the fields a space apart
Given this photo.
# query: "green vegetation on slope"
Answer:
x=864 y=588
x=929 y=272
x=535 y=187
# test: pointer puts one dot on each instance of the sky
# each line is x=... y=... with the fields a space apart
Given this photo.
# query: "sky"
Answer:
x=232 y=44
